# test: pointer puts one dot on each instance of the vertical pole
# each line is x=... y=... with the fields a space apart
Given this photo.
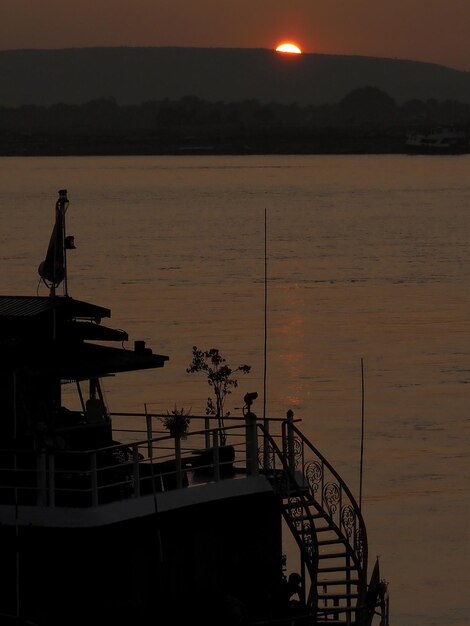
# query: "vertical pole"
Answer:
x=265 y=315
x=62 y=208
x=290 y=440
x=362 y=434
x=179 y=474
x=265 y=421
x=136 y=469
x=216 y=456
x=251 y=444
x=148 y=420
x=207 y=435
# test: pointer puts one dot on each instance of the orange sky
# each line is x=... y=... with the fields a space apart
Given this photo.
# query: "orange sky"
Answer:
x=435 y=31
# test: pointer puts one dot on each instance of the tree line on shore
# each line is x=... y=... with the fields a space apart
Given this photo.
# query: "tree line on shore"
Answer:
x=168 y=125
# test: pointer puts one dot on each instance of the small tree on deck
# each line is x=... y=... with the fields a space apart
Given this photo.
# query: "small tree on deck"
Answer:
x=219 y=377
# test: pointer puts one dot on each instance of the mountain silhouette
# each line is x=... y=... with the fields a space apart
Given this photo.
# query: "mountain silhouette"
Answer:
x=136 y=75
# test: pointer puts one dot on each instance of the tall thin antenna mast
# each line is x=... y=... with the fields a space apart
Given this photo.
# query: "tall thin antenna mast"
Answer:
x=265 y=421
x=265 y=313
x=362 y=434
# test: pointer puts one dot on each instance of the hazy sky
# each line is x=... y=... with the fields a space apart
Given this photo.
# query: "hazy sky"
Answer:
x=436 y=31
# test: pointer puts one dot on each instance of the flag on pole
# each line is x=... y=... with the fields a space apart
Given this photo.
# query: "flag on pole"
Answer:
x=373 y=591
x=52 y=269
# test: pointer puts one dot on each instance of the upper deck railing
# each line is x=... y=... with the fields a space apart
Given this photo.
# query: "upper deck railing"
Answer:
x=142 y=459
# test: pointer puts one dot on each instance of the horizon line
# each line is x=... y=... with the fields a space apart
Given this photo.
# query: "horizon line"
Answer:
x=262 y=49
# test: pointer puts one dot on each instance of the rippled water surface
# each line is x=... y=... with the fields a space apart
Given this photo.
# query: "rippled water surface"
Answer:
x=364 y=258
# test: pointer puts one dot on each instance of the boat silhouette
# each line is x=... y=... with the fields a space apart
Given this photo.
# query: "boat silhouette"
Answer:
x=106 y=515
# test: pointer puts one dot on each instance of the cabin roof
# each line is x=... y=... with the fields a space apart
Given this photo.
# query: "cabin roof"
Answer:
x=26 y=338
x=90 y=360
x=33 y=306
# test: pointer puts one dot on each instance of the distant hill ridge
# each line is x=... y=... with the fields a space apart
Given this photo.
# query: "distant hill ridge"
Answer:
x=137 y=75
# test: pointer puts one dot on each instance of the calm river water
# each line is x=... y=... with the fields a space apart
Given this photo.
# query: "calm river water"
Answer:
x=366 y=258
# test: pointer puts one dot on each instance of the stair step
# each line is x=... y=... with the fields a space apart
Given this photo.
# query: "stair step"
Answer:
x=338 y=568
x=332 y=555
x=304 y=518
x=337 y=596
x=324 y=529
x=334 y=610
x=330 y=542
x=348 y=620
x=337 y=581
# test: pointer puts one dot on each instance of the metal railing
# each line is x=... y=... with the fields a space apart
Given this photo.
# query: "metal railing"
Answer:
x=145 y=460
x=332 y=494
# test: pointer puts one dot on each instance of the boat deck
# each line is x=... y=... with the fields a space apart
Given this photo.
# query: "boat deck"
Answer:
x=140 y=462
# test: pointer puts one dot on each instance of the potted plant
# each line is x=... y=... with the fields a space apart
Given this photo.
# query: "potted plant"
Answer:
x=177 y=421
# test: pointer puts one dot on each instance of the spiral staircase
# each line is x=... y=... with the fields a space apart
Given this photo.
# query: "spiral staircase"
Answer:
x=329 y=530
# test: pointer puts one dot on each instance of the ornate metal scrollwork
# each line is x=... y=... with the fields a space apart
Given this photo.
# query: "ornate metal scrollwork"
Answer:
x=297 y=452
x=307 y=535
x=297 y=517
x=352 y=530
x=296 y=511
x=359 y=545
x=348 y=520
x=313 y=473
x=331 y=496
x=266 y=457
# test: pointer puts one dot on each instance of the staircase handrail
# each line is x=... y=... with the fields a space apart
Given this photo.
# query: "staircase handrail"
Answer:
x=359 y=547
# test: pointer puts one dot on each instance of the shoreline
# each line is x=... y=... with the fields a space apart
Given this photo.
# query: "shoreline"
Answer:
x=128 y=143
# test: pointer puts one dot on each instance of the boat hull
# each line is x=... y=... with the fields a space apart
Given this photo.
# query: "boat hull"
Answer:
x=191 y=562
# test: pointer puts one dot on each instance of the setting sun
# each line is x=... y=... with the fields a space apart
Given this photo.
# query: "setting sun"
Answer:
x=290 y=48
